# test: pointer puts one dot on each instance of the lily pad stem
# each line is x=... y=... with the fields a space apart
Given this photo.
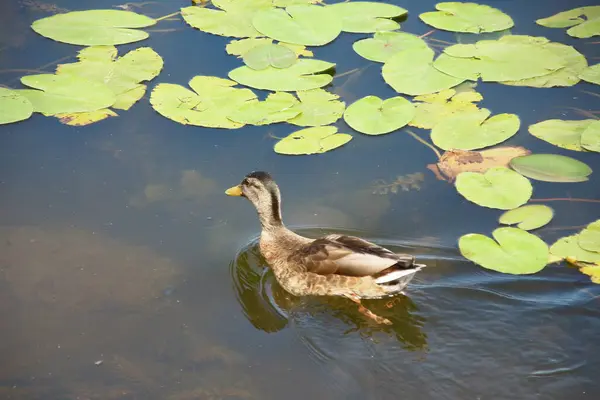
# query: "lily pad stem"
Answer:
x=437 y=153
x=566 y=199
x=167 y=16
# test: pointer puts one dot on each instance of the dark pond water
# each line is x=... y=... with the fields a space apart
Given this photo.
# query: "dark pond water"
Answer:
x=125 y=273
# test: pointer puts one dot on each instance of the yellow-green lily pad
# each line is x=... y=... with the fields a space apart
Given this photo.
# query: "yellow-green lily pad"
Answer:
x=514 y=251
x=273 y=55
x=467 y=17
x=13 y=106
x=584 y=21
x=317 y=107
x=374 y=116
x=314 y=140
x=551 y=168
x=561 y=133
x=590 y=137
x=498 y=187
x=434 y=108
x=528 y=217
x=589 y=238
x=384 y=45
x=277 y=107
x=591 y=74
x=569 y=247
x=368 y=17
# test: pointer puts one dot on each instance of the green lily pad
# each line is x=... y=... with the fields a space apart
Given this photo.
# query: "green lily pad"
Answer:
x=551 y=168
x=122 y=75
x=569 y=75
x=498 y=187
x=277 y=107
x=383 y=45
x=498 y=60
x=303 y=75
x=13 y=106
x=411 y=72
x=233 y=18
x=66 y=94
x=301 y=24
x=514 y=251
x=368 y=17
x=434 y=108
x=591 y=74
x=286 y=3
x=528 y=217
x=561 y=133
x=467 y=17
x=585 y=21
x=314 y=140
x=474 y=130
x=94 y=27
x=242 y=46
x=266 y=55
x=317 y=107
x=589 y=238
x=373 y=116
x=590 y=137
x=569 y=247
x=209 y=105
x=85 y=118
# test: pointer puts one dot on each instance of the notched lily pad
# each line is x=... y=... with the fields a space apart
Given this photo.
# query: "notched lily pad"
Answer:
x=590 y=137
x=589 y=238
x=13 y=106
x=568 y=247
x=85 y=118
x=368 y=17
x=561 y=133
x=317 y=107
x=374 y=116
x=584 y=21
x=591 y=74
x=528 y=217
x=498 y=187
x=314 y=140
x=551 y=168
x=384 y=45
x=265 y=55
x=433 y=108
x=467 y=17
x=514 y=251
x=277 y=107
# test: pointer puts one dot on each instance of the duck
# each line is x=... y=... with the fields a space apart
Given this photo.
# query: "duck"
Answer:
x=332 y=265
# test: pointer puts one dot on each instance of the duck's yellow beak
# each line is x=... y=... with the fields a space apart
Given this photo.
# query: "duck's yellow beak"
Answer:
x=234 y=191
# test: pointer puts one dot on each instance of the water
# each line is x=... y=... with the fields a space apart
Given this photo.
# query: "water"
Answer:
x=127 y=274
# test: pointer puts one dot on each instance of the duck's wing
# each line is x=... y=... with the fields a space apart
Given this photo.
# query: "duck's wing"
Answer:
x=348 y=255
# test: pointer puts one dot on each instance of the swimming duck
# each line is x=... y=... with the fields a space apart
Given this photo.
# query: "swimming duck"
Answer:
x=333 y=265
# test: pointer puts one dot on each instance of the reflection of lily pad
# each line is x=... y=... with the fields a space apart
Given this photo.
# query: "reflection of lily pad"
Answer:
x=274 y=55
x=433 y=108
x=467 y=17
x=591 y=74
x=474 y=130
x=367 y=17
x=303 y=75
x=13 y=106
x=528 y=217
x=561 y=133
x=308 y=25
x=589 y=238
x=383 y=45
x=590 y=137
x=498 y=187
x=569 y=247
x=551 y=168
x=514 y=251
x=373 y=116
x=212 y=100
x=498 y=60
x=94 y=27
x=277 y=107
x=585 y=21
x=317 y=107
x=411 y=72
x=66 y=94
x=314 y=140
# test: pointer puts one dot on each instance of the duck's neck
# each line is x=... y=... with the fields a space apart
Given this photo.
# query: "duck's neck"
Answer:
x=269 y=214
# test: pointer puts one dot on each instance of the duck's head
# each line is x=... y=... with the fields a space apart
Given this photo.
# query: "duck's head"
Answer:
x=260 y=188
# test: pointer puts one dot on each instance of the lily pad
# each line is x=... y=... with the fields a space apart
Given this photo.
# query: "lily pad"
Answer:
x=277 y=107
x=498 y=60
x=590 y=269
x=474 y=130
x=85 y=118
x=233 y=18
x=373 y=116
x=551 y=168
x=585 y=21
x=94 y=27
x=467 y=17
x=569 y=247
x=590 y=138
x=368 y=17
x=13 y=106
x=307 y=25
x=591 y=74
x=242 y=46
x=383 y=45
x=66 y=94
x=498 y=187
x=411 y=72
x=589 y=238
x=569 y=75
x=212 y=100
x=303 y=75
x=561 y=133
x=317 y=107
x=433 y=108
x=273 y=55
x=528 y=217
x=122 y=75
x=314 y=140
x=514 y=251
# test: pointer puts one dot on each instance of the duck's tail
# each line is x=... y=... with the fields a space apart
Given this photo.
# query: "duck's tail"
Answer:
x=396 y=279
